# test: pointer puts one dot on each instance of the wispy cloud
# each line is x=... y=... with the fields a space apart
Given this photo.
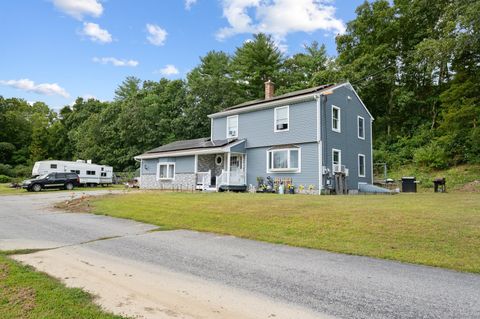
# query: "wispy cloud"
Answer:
x=168 y=70
x=115 y=61
x=80 y=8
x=41 y=88
x=189 y=4
x=157 y=35
x=96 y=33
x=279 y=18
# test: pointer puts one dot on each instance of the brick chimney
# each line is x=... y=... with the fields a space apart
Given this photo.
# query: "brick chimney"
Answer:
x=269 y=89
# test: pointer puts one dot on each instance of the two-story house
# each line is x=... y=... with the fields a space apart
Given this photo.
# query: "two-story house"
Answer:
x=316 y=137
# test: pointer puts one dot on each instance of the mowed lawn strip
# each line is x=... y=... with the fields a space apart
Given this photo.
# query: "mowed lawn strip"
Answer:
x=25 y=293
x=432 y=229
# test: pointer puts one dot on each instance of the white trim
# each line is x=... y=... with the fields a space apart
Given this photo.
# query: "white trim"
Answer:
x=196 y=164
x=219 y=156
x=275 y=118
x=339 y=128
x=358 y=127
x=364 y=165
x=339 y=158
x=169 y=178
x=371 y=151
x=285 y=170
x=211 y=129
x=245 y=166
x=236 y=131
x=319 y=145
x=228 y=168
x=361 y=102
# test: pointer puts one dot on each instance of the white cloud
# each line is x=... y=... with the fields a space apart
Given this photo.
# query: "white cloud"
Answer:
x=80 y=8
x=189 y=4
x=115 y=61
x=168 y=70
x=157 y=35
x=42 y=88
x=279 y=17
x=95 y=33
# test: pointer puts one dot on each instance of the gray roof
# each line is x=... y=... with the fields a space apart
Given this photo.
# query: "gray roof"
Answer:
x=281 y=97
x=205 y=142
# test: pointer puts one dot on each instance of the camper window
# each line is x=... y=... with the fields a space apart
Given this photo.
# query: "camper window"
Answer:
x=90 y=172
x=104 y=174
x=53 y=165
x=75 y=171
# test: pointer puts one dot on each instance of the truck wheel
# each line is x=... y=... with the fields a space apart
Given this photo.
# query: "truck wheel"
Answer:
x=69 y=186
x=37 y=187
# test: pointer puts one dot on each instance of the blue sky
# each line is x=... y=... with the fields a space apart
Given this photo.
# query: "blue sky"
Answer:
x=56 y=50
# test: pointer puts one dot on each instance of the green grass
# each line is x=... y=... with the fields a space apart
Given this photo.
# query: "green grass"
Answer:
x=27 y=294
x=433 y=229
x=6 y=190
x=457 y=177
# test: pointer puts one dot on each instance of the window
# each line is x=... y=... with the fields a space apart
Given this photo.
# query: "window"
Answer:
x=91 y=172
x=281 y=118
x=53 y=165
x=232 y=126
x=219 y=160
x=336 y=160
x=336 y=120
x=361 y=127
x=166 y=171
x=283 y=160
x=60 y=176
x=361 y=165
x=103 y=174
x=76 y=171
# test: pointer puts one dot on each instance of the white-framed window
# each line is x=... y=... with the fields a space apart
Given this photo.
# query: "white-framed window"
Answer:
x=336 y=160
x=91 y=172
x=281 y=118
x=284 y=160
x=232 y=126
x=361 y=127
x=166 y=171
x=336 y=119
x=361 y=165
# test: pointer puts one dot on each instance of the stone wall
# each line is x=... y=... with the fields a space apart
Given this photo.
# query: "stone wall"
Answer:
x=185 y=181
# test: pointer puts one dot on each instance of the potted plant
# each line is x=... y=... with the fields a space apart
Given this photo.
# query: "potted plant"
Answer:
x=301 y=189
x=290 y=189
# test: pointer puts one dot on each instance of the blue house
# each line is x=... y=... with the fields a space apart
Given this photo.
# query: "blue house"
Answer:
x=318 y=139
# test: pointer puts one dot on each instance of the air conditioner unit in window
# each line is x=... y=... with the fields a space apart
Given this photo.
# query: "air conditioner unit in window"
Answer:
x=232 y=133
x=283 y=126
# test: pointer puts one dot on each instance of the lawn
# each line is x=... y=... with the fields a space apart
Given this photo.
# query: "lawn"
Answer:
x=27 y=294
x=432 y=229
x=6 y=190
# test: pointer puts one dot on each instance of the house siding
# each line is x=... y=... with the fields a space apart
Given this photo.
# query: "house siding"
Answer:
x=347 y=140
x=257 y=127
x=183 y=164
x=257 y=166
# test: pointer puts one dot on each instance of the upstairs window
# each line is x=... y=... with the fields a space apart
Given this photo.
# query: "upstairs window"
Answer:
x=283 y=160
x=361 y=165
x=232 y=126
x=336 y=119
x=361 y=128
x=91 y=173
x=166 y=171
x=281 y=118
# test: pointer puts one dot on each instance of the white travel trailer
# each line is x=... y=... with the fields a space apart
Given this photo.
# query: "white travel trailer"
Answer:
x=90 y=174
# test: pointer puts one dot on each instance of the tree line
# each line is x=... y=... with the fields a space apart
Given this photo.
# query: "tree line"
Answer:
x=415 y=63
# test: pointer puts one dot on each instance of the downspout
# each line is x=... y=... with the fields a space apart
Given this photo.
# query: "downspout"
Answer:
x=319 y=144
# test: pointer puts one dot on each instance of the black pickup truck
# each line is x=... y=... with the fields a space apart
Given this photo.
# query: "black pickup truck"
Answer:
x=52 y=180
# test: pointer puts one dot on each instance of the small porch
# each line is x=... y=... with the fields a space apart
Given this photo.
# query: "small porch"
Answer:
x=221 y=171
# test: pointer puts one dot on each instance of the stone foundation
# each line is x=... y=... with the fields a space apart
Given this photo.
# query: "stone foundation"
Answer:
x=184 y=181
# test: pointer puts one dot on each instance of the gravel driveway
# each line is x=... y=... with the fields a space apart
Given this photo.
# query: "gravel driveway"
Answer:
x=324 y=283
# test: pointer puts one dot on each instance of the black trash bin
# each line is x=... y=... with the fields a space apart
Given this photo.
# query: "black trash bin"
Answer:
x=409 y=184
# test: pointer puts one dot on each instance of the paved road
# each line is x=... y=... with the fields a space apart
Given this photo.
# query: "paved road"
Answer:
x=338 y=285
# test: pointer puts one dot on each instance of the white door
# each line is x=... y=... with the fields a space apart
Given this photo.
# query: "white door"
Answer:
x=236 y=169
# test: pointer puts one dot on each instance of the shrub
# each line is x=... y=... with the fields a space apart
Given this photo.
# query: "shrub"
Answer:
x=5 y=179
x=22 y=171
x=431 y=156
x=6 y=170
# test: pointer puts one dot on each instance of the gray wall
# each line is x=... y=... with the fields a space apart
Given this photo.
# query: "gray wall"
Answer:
x=183 y=164
x=347 y=141
x=258 y=127
x=257 y=165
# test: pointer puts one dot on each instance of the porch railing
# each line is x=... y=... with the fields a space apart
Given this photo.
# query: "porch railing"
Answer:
x=231 y=178
x=204 y=179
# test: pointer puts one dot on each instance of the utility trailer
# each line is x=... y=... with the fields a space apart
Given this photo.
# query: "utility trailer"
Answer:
x=89 y=173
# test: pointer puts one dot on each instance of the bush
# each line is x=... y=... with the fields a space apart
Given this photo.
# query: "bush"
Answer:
x=5 y=179
x=22 y=171
x=6 y=170
x=431 y=156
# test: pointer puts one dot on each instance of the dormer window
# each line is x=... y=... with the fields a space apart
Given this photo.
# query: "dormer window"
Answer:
x=281 y=118
x=232 y=126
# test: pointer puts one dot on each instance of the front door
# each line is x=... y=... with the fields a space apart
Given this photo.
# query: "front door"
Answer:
x=236 y=169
